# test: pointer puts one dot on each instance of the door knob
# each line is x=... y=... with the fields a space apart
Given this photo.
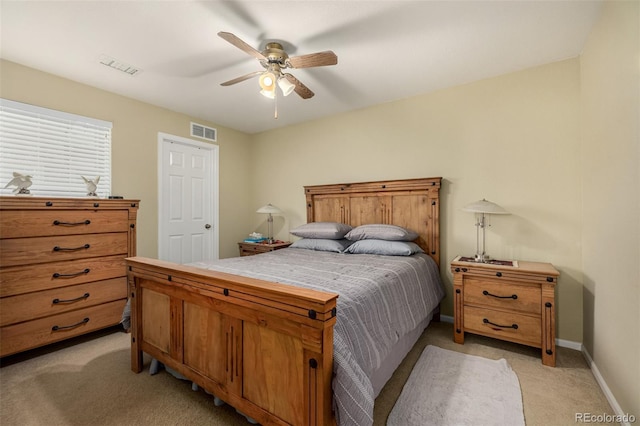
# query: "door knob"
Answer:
x=207 y=226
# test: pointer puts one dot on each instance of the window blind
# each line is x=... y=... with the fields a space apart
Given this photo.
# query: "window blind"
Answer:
x=55 y=148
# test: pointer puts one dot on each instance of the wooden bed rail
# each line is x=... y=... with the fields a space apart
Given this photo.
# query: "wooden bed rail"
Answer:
x=263 y=347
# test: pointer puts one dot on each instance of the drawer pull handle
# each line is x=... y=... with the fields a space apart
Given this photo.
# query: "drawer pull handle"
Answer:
x=58 y=248
x=57 y=301
x=514 y=326
x=58 y=275
x=66 y=327
x=59 y=223
x=513 y=296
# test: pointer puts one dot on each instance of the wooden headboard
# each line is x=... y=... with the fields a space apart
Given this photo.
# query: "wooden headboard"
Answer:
x=411 y=203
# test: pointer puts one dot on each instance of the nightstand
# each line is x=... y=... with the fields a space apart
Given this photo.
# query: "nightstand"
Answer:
x=249 y=249
x=508 y=302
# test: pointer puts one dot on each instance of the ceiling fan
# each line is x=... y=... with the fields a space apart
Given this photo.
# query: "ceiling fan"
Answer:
x=274 y=60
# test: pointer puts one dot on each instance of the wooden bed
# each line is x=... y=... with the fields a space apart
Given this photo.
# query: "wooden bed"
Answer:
x=266 y=348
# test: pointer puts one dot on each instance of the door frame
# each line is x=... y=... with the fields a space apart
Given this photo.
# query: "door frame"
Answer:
x=214 y=174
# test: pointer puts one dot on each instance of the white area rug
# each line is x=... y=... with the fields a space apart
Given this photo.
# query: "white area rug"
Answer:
x=451 y=388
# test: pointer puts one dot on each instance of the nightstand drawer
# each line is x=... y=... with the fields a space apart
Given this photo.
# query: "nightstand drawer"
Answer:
x=527 y=272
x=502 y=295
x=248 y=250
x=503 y=325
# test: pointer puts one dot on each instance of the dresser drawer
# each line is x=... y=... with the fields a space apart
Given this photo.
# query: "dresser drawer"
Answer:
x=29 y=306
x=40 y=223
x=510 y=326
x=502 y=295
x=31 y=334
x=24 y=251
x=27 y=279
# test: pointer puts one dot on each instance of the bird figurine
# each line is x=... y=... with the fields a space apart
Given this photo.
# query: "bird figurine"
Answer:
x=21 y=182
x=92 y=185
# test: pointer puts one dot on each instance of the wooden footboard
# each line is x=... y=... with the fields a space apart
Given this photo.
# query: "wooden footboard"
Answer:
x=264 y=348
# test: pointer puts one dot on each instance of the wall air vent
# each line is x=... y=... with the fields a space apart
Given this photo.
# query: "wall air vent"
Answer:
x=204 y=132
x=120 y=66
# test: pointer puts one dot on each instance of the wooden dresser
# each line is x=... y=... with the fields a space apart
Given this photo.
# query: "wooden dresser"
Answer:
x=62 y=267
x=514 y=303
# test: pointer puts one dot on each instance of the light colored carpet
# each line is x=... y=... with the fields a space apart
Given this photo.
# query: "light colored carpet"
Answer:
x=448 y=388
x=88 y=381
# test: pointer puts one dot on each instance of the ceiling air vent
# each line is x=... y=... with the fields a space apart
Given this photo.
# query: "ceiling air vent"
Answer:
x=120 y=66
x=204 y=132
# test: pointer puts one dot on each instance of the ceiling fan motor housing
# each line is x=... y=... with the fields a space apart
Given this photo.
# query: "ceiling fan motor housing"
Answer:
x=275 y=54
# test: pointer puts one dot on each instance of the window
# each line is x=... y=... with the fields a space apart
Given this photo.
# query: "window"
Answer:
x=55 y=148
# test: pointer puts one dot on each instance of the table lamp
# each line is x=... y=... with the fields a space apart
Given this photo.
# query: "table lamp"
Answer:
x=269 y=209
x=482 y=208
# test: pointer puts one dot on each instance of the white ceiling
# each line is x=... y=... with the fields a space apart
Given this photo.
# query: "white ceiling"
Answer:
x=387 y=50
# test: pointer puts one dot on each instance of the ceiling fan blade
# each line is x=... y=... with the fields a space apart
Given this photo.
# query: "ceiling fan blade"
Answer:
x=319 y=59
x=303 y=91
x=231 y=38
x=242 y=78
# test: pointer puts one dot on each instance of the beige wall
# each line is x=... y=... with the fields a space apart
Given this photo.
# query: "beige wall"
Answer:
x=610 y=69
x=135 y=148
x=513 y=139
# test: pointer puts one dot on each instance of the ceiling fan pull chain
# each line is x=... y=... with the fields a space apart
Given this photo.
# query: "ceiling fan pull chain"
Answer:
x=275 y=103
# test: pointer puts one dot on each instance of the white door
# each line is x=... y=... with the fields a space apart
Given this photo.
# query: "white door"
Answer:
x=187 y=199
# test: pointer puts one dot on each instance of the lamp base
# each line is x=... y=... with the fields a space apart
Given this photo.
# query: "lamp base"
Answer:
x=482 y=258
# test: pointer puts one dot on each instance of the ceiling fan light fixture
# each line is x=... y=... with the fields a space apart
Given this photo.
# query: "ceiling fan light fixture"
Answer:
x=271 y=94
x=268 y=81
x=286 y=86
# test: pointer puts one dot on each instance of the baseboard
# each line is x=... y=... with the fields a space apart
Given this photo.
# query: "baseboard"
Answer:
x=569 y=344
x=622 y=417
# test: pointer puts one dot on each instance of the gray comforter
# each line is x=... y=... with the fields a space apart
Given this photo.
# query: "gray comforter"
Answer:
x=381 y=298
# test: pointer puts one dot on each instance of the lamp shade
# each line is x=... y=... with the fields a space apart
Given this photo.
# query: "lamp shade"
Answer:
x=484 y=206
x=269 y=208
x=268 y=81
x=286 y=86
x=268 y=94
